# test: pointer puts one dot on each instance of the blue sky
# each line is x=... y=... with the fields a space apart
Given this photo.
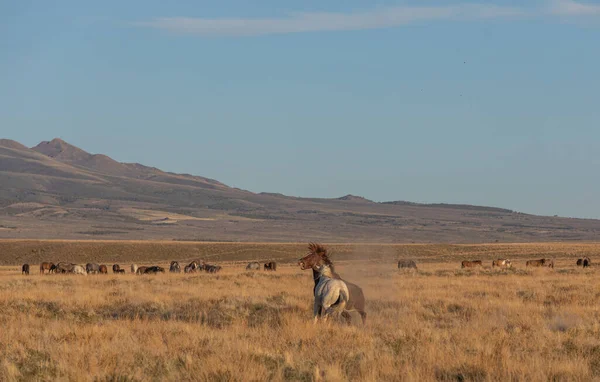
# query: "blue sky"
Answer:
x=458 y=102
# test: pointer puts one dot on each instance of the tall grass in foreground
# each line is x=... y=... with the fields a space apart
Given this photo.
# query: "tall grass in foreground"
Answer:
x=440 y=323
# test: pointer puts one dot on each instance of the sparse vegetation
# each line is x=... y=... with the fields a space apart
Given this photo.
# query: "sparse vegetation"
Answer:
x=439 y=322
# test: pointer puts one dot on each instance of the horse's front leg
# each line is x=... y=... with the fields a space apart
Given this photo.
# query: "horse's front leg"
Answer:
x=325 y=311
x=316 y=310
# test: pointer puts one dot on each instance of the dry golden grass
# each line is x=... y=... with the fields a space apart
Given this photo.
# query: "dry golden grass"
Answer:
x=440 y=323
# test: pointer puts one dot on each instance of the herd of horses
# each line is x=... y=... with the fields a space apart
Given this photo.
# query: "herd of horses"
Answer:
x=255 y=266
x=93 y=268
x=333 y=296
x=501 y=263
x=506 y=263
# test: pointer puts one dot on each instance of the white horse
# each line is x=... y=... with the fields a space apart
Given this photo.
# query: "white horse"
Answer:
x=134 y=268
x=331 y=294
x=79 y=270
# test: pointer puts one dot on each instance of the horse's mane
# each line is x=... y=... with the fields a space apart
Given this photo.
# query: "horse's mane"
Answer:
x=321 y=251
x=327 y=270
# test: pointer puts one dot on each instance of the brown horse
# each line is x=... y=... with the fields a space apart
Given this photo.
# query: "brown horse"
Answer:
x=537 y=263
x=103 y=269
x=141 y=270
x=25 y=269
x=271 y=266
x=318 y=256
x=471 y=264
x=50 y=267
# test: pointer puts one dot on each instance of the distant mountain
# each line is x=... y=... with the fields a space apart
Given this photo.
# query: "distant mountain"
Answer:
x=355 y=198
x=57 y=190
x=451 y=206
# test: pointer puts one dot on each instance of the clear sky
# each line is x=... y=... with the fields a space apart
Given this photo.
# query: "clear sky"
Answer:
x=490 y=103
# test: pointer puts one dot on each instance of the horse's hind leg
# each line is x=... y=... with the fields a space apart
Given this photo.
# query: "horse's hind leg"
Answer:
x=347 y=316
x=336 y=309
x=363 y=315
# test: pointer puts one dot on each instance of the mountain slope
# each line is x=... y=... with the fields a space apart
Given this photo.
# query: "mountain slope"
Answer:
x=57 y=190
x=66 y=153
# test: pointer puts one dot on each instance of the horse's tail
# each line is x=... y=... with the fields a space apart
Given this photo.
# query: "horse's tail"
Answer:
x=339 y=305
x=343 y=298
x=345 y=295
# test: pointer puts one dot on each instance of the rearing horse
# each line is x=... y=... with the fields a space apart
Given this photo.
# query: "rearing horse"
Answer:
x=318 y=256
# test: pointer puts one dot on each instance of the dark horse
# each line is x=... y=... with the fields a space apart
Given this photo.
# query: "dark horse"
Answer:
x=271 y=266
x=318 y=256
x=25 y=269
x=154 y=269
x=407 y=264
x=585 y=262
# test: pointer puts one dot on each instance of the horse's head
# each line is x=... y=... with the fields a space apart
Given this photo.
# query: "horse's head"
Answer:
x=316 y=257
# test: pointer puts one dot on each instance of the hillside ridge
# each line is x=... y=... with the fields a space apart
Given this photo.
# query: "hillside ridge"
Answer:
x=56 y=190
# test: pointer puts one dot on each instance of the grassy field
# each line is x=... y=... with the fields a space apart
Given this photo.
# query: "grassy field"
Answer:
x=439 y=323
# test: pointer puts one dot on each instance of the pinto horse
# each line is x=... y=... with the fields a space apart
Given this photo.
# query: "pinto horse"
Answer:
x=318 y=256
x=191 y=267
x=502 y=263
x=174 y=267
